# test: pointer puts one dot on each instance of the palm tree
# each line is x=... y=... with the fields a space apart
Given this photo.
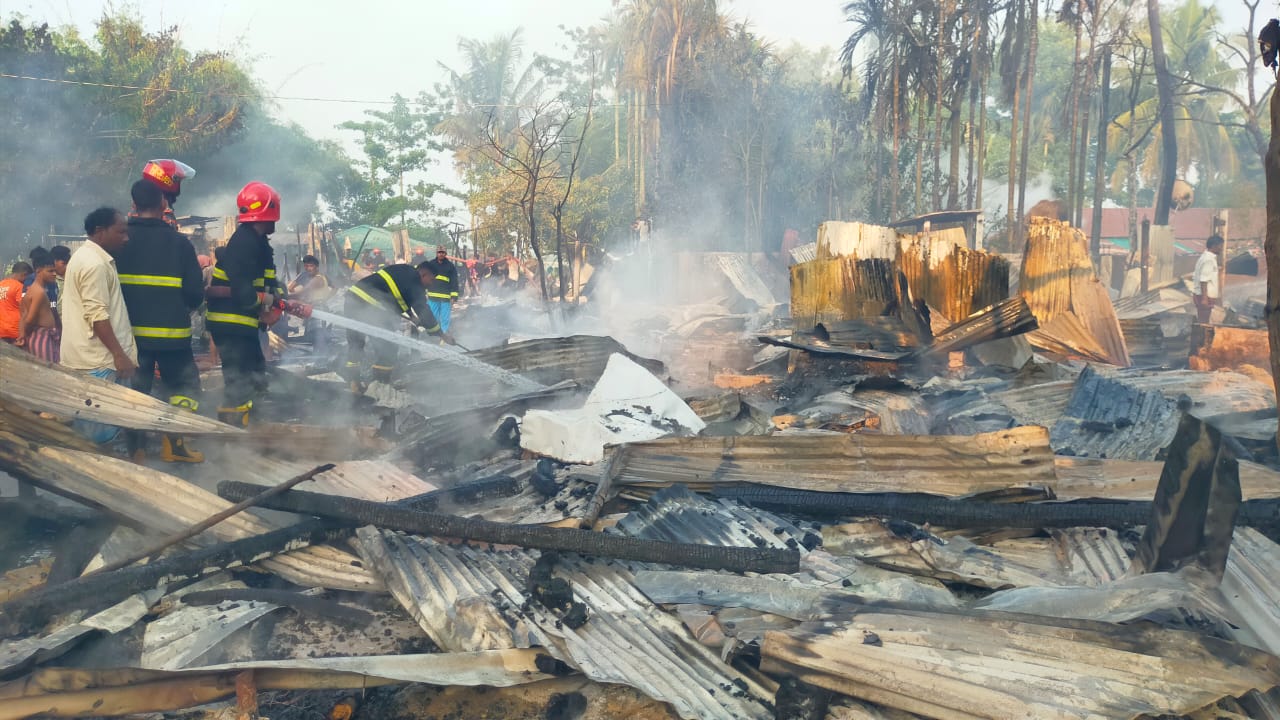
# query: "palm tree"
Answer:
x=1200 y=131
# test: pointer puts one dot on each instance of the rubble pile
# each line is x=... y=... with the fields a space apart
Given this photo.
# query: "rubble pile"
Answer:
x=938 y=483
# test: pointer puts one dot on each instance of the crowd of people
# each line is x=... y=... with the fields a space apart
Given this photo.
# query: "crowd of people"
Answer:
x=120 y=307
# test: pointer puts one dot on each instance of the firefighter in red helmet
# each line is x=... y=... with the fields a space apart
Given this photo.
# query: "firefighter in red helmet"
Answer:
x=168 y=176
x=241 y=295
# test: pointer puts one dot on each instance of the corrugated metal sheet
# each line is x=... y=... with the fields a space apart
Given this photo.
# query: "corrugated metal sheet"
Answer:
x=462 y=595
x=954 y=559
x=950 y=277
x=1110 y=419
x=1080 y=478
x=1079 y=556
x=1213 y=394
x=805 y=253
x=940 y=464
x=549 y=361
x=1251 y=587
x=376 y=480
x=958 y=666
x=849 y=709
x=853 y=239
x=1058 y=282
x=1159 y=301
x=51 y=388
x=15 y=653
x=678 y=515
x=183 y=635
x=1006 y=318
x=742 y=275
x=506 y=668
x=164 y=505
x=835 y=289
x=1040 y=404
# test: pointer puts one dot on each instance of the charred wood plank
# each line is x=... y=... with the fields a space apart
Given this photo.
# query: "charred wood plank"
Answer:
x=1263 y=514
x=285 y=598
x=95 y=592
x=585 y=542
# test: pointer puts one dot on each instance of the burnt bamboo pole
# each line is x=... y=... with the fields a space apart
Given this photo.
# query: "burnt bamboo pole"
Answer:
x=585 y=542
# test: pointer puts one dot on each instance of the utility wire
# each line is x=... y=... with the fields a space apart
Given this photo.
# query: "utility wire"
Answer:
x=252 y=96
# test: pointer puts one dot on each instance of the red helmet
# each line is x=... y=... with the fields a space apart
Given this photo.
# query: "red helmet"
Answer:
x=258 y=202
x=168 y=175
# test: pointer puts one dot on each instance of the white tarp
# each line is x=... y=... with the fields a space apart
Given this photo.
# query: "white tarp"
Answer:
x=628 y=404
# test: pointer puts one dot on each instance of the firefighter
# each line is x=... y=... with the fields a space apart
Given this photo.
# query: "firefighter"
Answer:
x=442 y=287
x=168 y=176
x=241 y=300
x=379 y=300
x=162 y=283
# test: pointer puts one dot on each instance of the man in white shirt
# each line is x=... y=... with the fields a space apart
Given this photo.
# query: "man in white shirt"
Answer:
x=1205 y=279
x=97 y=338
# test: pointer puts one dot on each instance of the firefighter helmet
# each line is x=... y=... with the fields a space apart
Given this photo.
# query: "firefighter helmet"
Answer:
x=258 y=202
x=168 y=175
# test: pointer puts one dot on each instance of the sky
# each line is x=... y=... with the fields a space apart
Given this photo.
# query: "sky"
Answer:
x=368 y=50
x=372 y=49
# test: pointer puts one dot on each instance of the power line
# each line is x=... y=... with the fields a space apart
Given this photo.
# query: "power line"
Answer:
x=252 y=96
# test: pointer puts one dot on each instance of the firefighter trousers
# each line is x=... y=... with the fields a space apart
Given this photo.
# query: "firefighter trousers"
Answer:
x=244 y=369
x=384 y=353
x=178 y=375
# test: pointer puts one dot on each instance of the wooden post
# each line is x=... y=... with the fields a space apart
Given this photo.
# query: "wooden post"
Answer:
x=1146 y=253
x=1220 y=228
x=1271 y=167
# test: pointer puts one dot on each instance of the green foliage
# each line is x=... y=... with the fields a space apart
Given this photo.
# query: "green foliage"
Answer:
x=126 y=96
x=399 y=144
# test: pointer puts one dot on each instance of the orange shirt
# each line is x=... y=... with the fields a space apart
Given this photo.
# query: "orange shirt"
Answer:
x=10 y=295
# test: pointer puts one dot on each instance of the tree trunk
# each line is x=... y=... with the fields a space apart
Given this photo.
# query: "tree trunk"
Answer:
x=1091 y=70
x=953 y=168
x=920 y=146
x=895 y=178
x=1272 y=246
x=1013 y=165
x=1168 y=133
x=937 y=111
x=1028 y=99
x=1074 y=99
x=982 y=140
x=1100 y=161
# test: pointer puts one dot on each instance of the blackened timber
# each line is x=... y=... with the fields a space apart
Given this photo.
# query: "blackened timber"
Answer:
x=585 y=542
x=94 y=592
x=947 y=512
x=306 y=604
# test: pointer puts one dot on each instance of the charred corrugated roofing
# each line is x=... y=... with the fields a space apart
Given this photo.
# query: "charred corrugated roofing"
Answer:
x=958 y=665
x=38 y=385
x=1075 y=312
x=939 y=464
x=464 y=596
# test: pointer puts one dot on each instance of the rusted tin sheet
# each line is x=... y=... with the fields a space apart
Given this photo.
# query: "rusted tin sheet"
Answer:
x=37 y=385
x=951 y=278
x=1080 y=478
x=941 y=464
x=959 y=665
x=164 y=505
x=1074 y=309
x=833 y=290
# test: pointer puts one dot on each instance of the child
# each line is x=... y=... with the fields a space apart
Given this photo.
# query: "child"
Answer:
x=39 y=331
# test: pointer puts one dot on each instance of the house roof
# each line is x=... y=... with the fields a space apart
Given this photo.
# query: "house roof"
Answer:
x=1190 y=226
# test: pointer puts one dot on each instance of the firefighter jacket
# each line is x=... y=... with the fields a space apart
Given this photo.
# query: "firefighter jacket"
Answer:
x=444 y=286
x=398 y=288
x=243 y=266
x=162 y=283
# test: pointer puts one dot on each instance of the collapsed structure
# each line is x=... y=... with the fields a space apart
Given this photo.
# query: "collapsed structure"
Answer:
x=937 y=487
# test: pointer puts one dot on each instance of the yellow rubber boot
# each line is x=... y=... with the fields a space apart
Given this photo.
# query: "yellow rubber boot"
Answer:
x=176 y=450
x=237 y=416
